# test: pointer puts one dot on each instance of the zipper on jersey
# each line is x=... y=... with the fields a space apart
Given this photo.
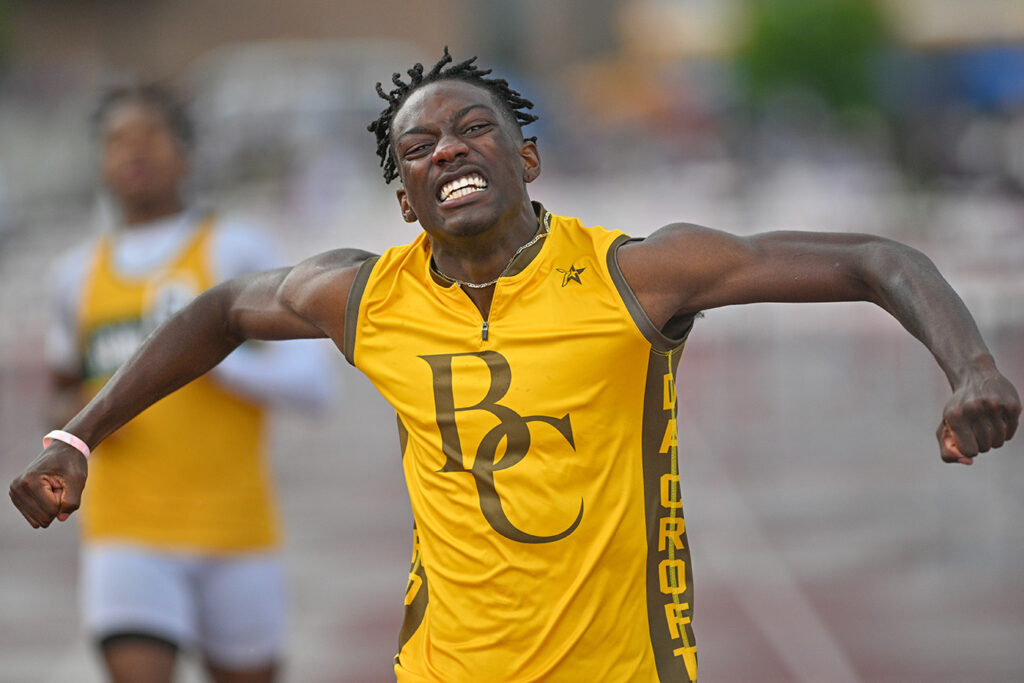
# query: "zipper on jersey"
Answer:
x=483 y=331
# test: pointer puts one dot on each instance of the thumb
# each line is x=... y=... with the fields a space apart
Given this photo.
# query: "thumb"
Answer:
x=65 y=498
x=69 y=502
x=62 y=511
x=949 y=447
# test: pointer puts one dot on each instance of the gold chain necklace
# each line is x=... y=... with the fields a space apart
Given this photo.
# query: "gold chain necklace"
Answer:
x=543 y=231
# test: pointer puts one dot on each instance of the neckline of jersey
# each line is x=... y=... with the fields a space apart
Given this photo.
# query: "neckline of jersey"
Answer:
x=526 y=263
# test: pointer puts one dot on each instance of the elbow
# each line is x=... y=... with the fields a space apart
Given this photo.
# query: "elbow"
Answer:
x=226 y=306
x=215 y=310
x=889 y=266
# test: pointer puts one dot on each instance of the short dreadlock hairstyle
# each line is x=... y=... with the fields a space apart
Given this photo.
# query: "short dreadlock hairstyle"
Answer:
x=513 y=102
x=158 y=98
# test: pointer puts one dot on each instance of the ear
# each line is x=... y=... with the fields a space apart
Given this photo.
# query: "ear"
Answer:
x=531 y=160
x=403 y=201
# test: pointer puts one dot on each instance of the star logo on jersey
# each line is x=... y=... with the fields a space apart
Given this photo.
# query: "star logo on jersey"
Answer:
x=571 y=275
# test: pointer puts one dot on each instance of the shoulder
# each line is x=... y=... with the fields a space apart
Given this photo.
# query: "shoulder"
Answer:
x=76 y=256
x=334 y=261
x=689 y=236
x=320 y=283
x=669 y=269
x=571 y=234
x=70 y=268
x=674 y=250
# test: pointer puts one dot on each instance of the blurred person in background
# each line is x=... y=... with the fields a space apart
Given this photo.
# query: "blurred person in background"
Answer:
x=172 y=557
x=532 y=362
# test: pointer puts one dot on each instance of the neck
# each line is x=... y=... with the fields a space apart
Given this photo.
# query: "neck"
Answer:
x=134 y=213
x=483 y=257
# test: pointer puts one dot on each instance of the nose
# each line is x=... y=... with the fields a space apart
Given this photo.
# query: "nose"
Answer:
x=449 y=148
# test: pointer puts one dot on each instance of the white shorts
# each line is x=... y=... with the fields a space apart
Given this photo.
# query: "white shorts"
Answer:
x=230 y=608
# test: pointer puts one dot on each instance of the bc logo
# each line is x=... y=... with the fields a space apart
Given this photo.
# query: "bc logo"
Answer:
x=513 y=428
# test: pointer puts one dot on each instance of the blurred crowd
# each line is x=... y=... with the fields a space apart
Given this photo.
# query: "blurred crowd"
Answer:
x=661 y=83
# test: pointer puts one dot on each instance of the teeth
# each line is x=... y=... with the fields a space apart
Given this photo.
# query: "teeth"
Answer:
x=460 y=187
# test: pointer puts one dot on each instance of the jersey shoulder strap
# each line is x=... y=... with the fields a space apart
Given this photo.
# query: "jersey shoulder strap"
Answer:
x=355 y=298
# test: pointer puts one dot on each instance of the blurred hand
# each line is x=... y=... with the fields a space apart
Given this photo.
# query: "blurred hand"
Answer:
x=51 y=486
x=981 y=415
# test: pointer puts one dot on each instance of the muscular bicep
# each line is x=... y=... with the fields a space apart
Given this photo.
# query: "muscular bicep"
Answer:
x=305 y=301
x=260 y=310
x=686 y=268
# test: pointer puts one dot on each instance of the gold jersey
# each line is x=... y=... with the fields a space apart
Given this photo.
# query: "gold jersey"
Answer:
x=539 y=449
x=190 y=471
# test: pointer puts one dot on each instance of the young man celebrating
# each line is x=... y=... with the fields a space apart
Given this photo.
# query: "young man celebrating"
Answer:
x=531 y=362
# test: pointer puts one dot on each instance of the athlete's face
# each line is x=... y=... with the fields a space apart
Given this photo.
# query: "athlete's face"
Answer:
x=142 y=161
x=463 y=164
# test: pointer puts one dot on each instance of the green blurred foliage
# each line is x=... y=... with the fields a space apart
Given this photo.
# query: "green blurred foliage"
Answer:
x=830 y=47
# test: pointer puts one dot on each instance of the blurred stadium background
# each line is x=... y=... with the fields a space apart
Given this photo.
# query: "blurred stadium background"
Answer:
x=829 y=542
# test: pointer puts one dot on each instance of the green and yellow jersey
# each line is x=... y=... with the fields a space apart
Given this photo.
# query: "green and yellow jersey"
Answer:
x=172 y=477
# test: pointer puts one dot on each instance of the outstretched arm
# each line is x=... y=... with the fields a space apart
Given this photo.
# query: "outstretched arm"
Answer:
x=306 y=301
x=682 y=269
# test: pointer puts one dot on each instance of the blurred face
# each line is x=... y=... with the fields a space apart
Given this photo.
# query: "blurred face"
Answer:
x=142 y=161
x=463 y=165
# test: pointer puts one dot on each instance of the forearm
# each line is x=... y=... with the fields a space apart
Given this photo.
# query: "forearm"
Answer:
x=905 y=282
x=189 y=344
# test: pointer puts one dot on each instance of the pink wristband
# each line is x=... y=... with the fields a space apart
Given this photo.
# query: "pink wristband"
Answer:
x=68 y=438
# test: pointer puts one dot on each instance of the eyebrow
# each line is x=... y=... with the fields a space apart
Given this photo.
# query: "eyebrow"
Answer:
x=421 y=130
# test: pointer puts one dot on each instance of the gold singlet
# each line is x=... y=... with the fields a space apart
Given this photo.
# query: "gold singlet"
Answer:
x=190 y=471
x=540 y=455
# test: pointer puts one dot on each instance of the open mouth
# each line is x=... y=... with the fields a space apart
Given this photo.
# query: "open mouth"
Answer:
x=460 y=187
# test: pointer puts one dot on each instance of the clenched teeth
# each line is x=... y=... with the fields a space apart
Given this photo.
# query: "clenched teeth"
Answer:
x=460 y=187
